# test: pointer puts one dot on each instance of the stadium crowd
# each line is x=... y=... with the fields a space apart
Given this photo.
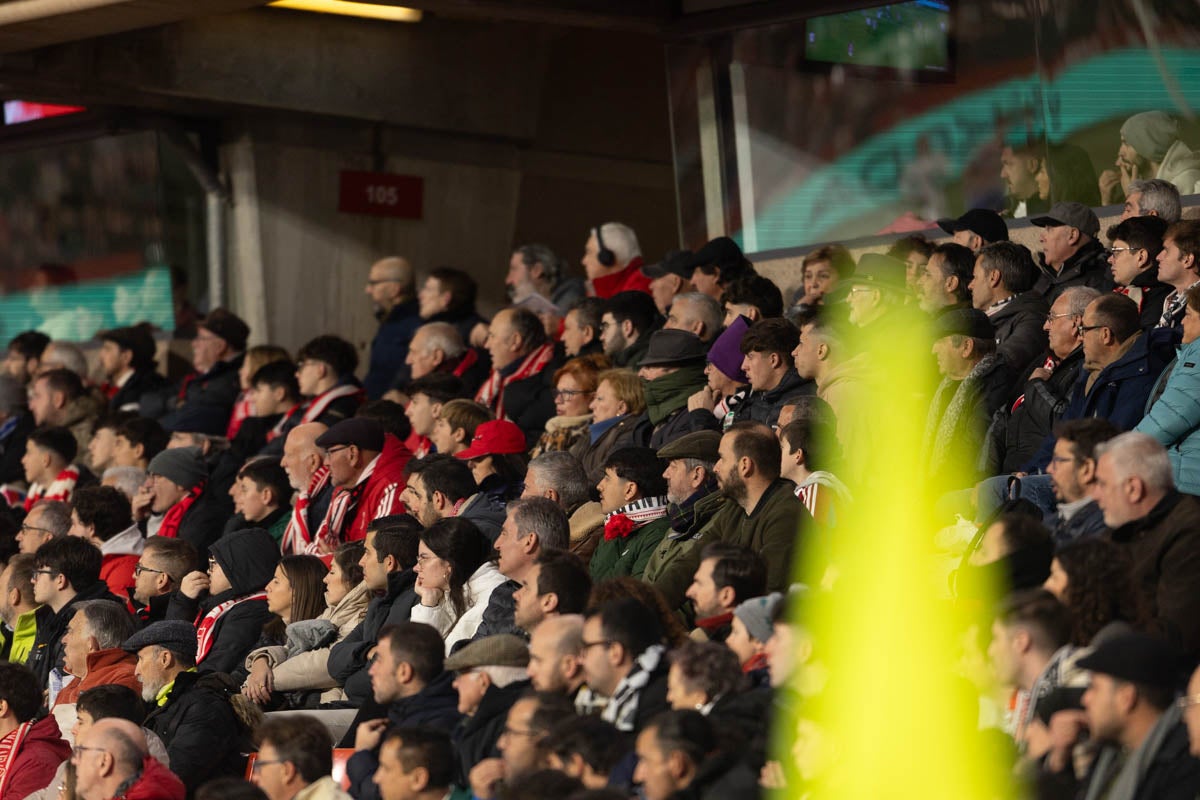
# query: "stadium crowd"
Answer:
x=549 y=554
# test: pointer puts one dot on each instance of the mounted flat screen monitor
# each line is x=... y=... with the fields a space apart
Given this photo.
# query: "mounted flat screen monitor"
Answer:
x=913 y=37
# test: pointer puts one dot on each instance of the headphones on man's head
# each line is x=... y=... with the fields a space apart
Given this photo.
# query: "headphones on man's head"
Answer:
x=603 y=254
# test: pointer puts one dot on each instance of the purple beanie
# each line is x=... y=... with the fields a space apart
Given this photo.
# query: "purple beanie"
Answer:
x=726 y=351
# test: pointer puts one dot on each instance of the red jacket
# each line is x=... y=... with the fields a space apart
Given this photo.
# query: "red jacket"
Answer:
x=103 y=667
x=629 y=279
x=156 y=783
x=381 y=497
x=117 y=571
x=36 y=761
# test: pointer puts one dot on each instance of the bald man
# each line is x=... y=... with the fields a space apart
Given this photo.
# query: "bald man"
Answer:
x=112 y=752
x=556 y=655
x=303 y=462
x=392 y=291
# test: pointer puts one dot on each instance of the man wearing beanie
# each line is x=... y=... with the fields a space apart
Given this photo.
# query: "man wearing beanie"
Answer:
x=227 y=604
x=177 y=503
x=751 y=629
x=1150 y=148
x=727 y=384
x=203 y=401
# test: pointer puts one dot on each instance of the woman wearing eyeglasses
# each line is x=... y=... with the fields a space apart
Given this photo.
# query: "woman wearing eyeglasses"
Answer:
x=574 y=387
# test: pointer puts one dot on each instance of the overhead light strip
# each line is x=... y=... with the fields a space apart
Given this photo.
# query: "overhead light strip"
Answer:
x=353 y=9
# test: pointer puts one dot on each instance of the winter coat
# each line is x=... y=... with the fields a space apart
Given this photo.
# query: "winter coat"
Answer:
x=587 y=528
x=476 y=736
x=771 y=530
x=142 y=381
x=293 y=669
x=112 y=666
x=203 y=735
x=121 y=554
x=12 y=448
x=1015 y=435
x=389 y=348
x=530 y=404
x=203 y=522
x=677 y=555
x=1174 y=418
x=46 y=653
x=207 y=400
x=156 y=783
x=381 y=497
x=958 y=421
x=719 y=776
x=447 y=621
x=764 y=407
x=1019 y=335
x=630 y=431
x=1149 y=293
x=1165 y=545
x=36 y=761
x=562 y=433
x=485 y=512
x=248 y=559
x=1085 y=523
x=434 y=707
x=848 y=390
x=1088 y=267
x=348 y=663
x=630 y=554
x=1181 y=166
x=500 y=614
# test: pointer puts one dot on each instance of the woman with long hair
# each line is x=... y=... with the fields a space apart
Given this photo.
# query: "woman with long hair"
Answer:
x=1093 y=578
x=456 y=573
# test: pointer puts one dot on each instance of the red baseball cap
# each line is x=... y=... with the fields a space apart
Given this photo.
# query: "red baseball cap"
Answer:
x=494 y=438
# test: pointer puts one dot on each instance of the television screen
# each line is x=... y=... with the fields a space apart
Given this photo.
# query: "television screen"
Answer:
x=904 y=36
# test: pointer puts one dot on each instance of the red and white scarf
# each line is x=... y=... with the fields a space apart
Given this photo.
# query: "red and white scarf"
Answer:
x=60 y=489
x=10 y=748
x=342 y=509
x=205 y=625
x=174 y=515
x=491 y=393
x=320 y=403
x=297 y=537
x=241 y=411
x=283 y=422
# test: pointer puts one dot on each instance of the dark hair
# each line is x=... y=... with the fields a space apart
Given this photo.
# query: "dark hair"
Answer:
x=901 y=249
x=1048 y=620
x=528 y=326
x=737 y=567
x=466 y=415
x=59 y=441
x=775 y=335
x=813 y=434
x=230 y=789
x=178 y=557
x=1084 y=434
x=335 y=351
x=112 y=700
x=543 y=517
x=755 y=441
x=301 y=739
x=1018 y=272
x=21 y=577
x=443 y=473
x=418 y=645
x=426 y=748
x=65 y=381
x=460 y=285
x=601 y=746
x=1119 y=314
x=552 y=708
x=590 y=312
x=138 y=340
x=639 y=465
x=104 y=508
x=687 y=732
x=390 y=417
x=958 y=261
x=397 y=536
x=114 y=420
x=637 y=308
x=564 y=575
x=149 y=433
x=1022 y=531
x=1142 y=233
x=758 y=291
x=710 y=667
x=29 y=344
x=629 y=623
x=306 y=574
x=458 y=542
x=348 y=557
x=627 y=587
x=439 y=387
x=265 y=473
x=1100 y=587
x=1186 y=235
x=837 y=256
x=19 y=688
x=278 y=375
x=75 y=559
x=540 y=784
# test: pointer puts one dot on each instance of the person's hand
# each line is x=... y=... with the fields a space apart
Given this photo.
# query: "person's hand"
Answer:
x=705 y=399
x=325 y=546
x=1066 y=728
x=479 y=334
x=194 y=584
x=771 y=776
x=260 y=682
x=396 y=396
x=484 y=777
x=1040 y=374
x=143 y=500
x=430 y=595
x=1110 y=187
x=369 y=733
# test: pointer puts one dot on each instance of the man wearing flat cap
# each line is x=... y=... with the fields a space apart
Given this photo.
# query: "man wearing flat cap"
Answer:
x=1130 y=707
x=975 y=382
x=204 y=400
x=692 y=500
x=878 y=286
x=1071 y=252
x=672 y=371
x=490 y=678
x=366 y=468
x=190 y=710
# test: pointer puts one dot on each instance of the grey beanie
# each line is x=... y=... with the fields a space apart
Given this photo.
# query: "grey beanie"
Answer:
x=1151 y=134
x=756 y=615
x=181 y=465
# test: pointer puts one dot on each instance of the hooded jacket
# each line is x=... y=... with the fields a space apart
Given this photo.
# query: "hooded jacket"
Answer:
x=1019 y=335
x=348 y=658
x=1181 y=166
x=1088 y=267
x=37 y=758
x=198 y=725
x=155 y=783
x=120 y=557
x=248 y=558
x=764 y=406
x=1174 y=418
x=46 y=653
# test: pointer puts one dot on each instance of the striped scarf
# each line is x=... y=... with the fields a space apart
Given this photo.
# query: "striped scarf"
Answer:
x=319 y=404
x=241 y=411
x=625 y=520
x=341 y=512
x=297 y=537
x=491 y=393
x=60 y=489
x=10 y=747
x=206 y=624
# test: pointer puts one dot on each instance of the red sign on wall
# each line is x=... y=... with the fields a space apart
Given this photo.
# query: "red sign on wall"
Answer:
x=379 y=194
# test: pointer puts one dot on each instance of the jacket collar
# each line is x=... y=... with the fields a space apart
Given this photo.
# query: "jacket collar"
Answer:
x=1133 y=529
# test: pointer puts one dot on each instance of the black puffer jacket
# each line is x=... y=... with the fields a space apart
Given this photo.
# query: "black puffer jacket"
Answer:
x=202 y=733
x=348 y=658
x=1015 y=436
x=142 y=381
x=1088 y=267
x=764 y=406
x=248 y=558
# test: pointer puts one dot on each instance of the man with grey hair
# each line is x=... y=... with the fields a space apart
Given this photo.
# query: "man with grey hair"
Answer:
x=92 y=649
x=49 y=519
x=531 y=526
x=612 y=260
x=16 y=423
x=1153 y=198
x=560 y=477
x=126 y=480
x=438 y=347
x=64 y=355
x=392 y=290
x=536 y=269
x=697 y=313
x=1135 y=489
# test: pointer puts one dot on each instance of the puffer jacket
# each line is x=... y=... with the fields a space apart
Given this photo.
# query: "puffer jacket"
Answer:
x=309 y=669
x=1088 y=267
x=1015 y=434
x=1019 y=334
x=1174 y=418
x=764 y=406
x=248 y=558
x=443 y=617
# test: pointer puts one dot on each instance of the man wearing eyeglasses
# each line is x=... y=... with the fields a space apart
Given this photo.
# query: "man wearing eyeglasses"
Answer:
x=393 y=296
x=157 y=575
x=521 y=742
x=49 y=519
x=1133 y=258
x=111 y=760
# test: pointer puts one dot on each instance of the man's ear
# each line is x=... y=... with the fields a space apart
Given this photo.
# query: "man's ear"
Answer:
x=627 y=328
x=1087 y=470
x=419 y=778
x=439 y=500
x=404 y=672
x=822 y=352
x=726 y=596
x=548 y=602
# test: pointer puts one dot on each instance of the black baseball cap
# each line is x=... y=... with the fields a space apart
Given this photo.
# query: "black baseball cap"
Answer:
x=989 y=225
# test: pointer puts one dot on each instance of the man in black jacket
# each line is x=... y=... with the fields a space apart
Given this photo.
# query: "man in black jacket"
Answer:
x=624 y=660
x=181 y=501
x=191 y=711
x=516 y=389
x=767 y=361
x=679 y=757
x=490 y=678
x=1001 y=287
x=1071 y=254
x=127 y=358
x=672 y=371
